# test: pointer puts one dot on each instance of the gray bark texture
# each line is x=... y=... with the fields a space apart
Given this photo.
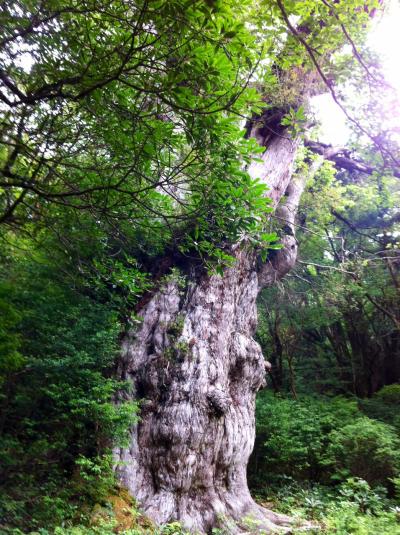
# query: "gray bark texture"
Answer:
x=196 y=368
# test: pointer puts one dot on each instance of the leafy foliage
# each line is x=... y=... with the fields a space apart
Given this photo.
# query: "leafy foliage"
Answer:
x=296 y=434
x=367 y=449
x=337 y=313
x=308 y=459
x=322 y=440
x=58 y=415
x=125 y=122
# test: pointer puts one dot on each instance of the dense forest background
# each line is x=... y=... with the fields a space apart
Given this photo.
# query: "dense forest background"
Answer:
x=125 y=136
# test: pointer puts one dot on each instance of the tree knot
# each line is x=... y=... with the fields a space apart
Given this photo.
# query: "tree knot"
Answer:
x=219 y=401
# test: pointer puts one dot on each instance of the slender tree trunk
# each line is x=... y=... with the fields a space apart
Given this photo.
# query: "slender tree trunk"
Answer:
x=276 y=357
x=338 y=340
x=196 y=368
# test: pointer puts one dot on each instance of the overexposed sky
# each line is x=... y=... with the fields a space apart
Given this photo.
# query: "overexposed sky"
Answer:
x=384 y=39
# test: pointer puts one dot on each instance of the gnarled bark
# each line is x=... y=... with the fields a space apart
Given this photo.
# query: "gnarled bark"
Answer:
x=195 y=366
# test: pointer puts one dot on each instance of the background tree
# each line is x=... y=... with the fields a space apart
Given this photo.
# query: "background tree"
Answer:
x=339 y=308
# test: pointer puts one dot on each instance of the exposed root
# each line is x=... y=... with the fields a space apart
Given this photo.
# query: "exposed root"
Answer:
x=260 y=520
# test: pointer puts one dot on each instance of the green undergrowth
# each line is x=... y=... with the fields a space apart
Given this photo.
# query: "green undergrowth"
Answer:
x=58 y=419
x=351 y=508
x=325 y=440
x=332 y=461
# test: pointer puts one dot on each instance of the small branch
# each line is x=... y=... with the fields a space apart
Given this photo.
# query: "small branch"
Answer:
x=322 y=266
x=356 y=53
x=383 y=310
x=352 y=226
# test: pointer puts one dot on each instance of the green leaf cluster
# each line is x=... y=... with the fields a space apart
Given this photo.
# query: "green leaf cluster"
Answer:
x=57 y=395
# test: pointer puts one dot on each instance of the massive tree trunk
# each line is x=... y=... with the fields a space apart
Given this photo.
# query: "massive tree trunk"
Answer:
x=196 y=368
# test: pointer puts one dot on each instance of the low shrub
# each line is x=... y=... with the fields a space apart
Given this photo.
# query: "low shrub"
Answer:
x=323 y=440
x=366 y=449
x=389 y=394
x=384 y=406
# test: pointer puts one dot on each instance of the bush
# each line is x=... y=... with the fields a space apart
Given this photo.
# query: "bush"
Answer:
x=56 y=398
x=321 y=440
x=389 y=394
x=293 y=435
x=346 y=520
x=352 y=508
x=384 y=405
x=367 y=449
x=358 y=492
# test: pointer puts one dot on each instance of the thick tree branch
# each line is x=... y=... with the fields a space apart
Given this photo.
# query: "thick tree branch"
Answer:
x=8 y=213
x=342 y=161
